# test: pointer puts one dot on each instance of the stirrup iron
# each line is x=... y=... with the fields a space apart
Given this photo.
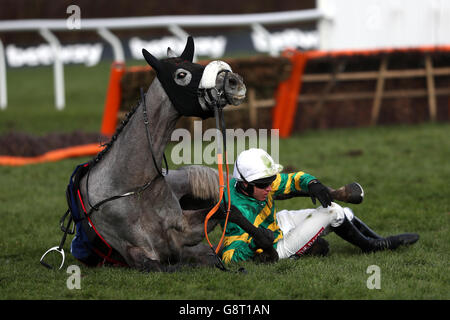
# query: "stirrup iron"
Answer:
x=58 y=249
x=66 y=230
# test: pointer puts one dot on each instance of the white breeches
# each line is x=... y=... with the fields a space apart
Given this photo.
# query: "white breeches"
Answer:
x=302 y=227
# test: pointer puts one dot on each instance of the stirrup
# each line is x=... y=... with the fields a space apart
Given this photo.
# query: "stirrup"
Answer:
x=58 y=249
x=66 y=230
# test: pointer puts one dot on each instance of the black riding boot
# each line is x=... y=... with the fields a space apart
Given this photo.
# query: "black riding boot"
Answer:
x=365 y=230
x=349 y=232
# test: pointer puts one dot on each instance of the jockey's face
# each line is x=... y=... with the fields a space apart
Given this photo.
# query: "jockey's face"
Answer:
x=260 y=193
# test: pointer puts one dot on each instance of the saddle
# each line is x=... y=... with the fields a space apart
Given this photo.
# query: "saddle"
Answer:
x=88 y=246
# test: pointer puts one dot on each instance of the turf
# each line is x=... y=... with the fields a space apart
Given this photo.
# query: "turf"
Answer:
x=405 y=172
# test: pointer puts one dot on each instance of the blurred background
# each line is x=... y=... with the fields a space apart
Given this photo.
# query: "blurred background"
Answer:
x=226 y=40
x=350 y=63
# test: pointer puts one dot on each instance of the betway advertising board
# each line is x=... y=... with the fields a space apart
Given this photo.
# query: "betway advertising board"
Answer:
x=211 y=46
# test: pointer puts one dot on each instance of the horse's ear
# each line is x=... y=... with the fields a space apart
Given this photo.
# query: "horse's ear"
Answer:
x=188 y=53
x=151 y=60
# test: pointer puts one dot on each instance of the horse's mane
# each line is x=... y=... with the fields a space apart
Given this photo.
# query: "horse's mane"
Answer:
x=204 y=182
x=116 y=134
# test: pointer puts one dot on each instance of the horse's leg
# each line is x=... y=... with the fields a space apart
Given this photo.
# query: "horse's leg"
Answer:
x=195 y=186
x=193 y=230
x=200 y=254
x=146 y=236
x=141 y=260
x=178 y=181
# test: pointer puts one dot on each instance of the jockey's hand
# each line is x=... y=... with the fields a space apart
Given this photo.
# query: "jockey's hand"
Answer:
x=263 y=238
x=319 y=191
x=269 y=255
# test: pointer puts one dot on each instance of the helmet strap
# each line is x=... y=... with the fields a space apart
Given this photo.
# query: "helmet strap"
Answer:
x=250 y=188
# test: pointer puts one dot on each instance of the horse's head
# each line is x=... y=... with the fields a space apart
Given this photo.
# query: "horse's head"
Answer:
x=193 y=89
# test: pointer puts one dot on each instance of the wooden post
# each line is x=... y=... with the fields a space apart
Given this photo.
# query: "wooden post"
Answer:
x=379 y=91
x=253 y=112
x=318 y=108
x=430 y=87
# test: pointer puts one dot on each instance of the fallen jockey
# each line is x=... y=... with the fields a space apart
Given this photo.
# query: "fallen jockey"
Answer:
x=257 y=180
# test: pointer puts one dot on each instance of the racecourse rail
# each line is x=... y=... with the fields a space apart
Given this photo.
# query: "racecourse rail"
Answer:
x=104 y=26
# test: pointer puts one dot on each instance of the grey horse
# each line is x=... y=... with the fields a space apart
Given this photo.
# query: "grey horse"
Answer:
x=146 y=225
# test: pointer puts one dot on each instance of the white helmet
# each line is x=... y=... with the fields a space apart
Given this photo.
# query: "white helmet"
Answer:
x=254 y=164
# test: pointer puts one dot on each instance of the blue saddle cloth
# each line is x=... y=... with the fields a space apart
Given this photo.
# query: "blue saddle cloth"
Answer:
x=87 y=245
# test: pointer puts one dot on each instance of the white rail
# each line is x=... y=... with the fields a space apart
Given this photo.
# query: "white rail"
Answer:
x=165 y=21
x=58 y=69
x=103 y=26
x=3 y=91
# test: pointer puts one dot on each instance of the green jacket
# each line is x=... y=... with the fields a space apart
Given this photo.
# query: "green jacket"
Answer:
x=238 y=245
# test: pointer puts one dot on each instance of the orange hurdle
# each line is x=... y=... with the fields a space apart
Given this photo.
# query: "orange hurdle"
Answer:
x=113 y=97
x=287 y=94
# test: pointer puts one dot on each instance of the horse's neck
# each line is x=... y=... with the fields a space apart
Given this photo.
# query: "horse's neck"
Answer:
x=162 y=118
x=130 y=162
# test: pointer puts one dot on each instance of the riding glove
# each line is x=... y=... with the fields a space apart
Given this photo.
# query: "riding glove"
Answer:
x=319 y=191
x=263 y=239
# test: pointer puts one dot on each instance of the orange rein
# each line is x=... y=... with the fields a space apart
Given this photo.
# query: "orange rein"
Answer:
x=216 y=207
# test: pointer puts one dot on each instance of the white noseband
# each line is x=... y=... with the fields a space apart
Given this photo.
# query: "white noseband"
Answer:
x=209 y=76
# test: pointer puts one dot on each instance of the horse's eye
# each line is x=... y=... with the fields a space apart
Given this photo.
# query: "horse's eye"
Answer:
x=182 y=77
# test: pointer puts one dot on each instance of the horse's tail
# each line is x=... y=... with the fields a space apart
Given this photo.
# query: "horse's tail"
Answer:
x=204 y=182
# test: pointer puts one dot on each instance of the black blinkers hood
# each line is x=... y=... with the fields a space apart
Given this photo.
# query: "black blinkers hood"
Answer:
x=183 y=98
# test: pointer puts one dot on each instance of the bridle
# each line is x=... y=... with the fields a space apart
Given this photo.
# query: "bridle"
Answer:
x=207 y=95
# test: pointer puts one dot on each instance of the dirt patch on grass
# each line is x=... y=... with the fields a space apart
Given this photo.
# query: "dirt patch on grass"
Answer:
x=27 y=145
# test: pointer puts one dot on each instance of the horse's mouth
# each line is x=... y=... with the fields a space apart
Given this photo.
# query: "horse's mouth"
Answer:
x=236 y=99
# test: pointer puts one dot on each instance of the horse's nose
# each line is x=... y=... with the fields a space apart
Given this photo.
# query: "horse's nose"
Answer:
x=233 y=83
x=234 y=89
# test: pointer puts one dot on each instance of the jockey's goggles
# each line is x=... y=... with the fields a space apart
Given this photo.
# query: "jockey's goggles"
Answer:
x=264 y=182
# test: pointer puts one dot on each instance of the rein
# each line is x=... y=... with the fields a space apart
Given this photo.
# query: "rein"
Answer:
x=214 y=103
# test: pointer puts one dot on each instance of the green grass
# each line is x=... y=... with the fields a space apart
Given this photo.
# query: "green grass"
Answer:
x=405 y=172
x=31 y=107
